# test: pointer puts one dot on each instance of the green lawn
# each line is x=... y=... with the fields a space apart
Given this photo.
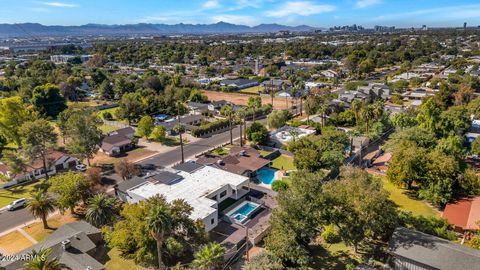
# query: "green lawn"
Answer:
x=7 y=196
x=284 y=162
x=107 y=128
x=253 y=89
x=264 y=153
x=118 y=263
x=110 y=110
x=399 y=196
x=335 y=256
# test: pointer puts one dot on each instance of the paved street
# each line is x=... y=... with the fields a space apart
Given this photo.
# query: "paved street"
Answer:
x=13 y=219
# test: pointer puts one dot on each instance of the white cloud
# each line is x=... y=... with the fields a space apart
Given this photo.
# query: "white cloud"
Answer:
x=211 y=4
x=235 y=19
x=302 y=8
x=452 y=12
x=59 y=4
x=367 y=3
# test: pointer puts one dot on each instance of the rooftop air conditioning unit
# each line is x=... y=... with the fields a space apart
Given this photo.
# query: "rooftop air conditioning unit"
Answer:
x=220 y=162
x=65 y=244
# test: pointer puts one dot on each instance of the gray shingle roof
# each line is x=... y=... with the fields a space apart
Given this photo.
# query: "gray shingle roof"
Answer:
x=432 y=251
x=126 y=185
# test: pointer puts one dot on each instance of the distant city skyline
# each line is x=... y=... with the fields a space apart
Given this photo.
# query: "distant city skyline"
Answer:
x=324 y=13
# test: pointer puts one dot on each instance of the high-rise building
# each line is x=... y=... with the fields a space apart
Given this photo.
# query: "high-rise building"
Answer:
x=465 y=25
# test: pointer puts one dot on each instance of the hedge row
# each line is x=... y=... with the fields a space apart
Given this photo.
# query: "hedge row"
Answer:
x=209 y=127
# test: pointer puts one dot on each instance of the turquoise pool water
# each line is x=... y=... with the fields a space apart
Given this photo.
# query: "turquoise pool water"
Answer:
x=243 y=212
x=266 y=175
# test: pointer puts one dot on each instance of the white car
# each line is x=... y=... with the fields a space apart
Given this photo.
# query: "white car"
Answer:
x=81 y=167
x=17 y=204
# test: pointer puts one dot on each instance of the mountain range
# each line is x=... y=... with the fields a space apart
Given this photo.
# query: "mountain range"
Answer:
x=37 y=30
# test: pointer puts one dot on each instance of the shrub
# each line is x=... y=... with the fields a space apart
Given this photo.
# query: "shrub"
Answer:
x=279 y=185
x=107 y=116
x=330 y=234
x=209 y=127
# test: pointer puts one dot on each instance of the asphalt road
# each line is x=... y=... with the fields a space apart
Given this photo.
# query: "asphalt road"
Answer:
x=13 y=219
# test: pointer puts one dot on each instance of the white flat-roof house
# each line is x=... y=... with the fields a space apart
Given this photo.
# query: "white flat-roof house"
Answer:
x=203 y=187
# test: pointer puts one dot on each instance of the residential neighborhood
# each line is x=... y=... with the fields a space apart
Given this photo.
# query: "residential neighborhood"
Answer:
x=244 y=144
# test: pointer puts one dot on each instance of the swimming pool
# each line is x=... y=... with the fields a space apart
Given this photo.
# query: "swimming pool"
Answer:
x=242 y=212
x=266 y=175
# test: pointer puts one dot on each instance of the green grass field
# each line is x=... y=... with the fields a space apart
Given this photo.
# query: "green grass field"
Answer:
x=116 y=262
x=107 y=128
x=284 y=162
x=399 y=196
x=7 y=196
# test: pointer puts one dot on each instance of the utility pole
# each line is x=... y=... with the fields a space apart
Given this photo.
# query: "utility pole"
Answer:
x=246 y=243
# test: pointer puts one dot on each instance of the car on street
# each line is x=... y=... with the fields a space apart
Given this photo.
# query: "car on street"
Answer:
x=20 y=203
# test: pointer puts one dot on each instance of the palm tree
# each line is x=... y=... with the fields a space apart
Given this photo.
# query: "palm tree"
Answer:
x=241 y=114
x=180 y=129
x=228 y=112
x=40 y=261
x=254 y=103
x=356 y=108
x=209 y=257
x=377 y=109
x=101 y=210
x=159 y=223
x=368 y=113
x=40 y=205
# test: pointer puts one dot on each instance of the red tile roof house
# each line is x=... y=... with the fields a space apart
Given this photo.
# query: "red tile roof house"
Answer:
x=58 y=161
x=464 y=214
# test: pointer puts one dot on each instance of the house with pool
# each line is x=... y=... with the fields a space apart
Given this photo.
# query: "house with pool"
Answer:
x=246 y=161
x=203 y=187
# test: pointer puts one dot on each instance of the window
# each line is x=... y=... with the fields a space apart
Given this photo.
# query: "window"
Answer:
x=212 y=221
x=223 y=194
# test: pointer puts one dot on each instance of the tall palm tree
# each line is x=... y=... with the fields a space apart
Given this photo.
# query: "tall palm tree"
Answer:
x=180 y=129
x=159 y=222
x=228 y=112
x=241 y=114
x=40 y=205
x=356 y=108
x=101 y=210
x=209 y=257
x=368 y=113
x=42 y=262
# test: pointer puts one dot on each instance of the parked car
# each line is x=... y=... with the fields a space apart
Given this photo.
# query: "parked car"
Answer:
x=20 y=203
x=81 y=167
x=148 y=167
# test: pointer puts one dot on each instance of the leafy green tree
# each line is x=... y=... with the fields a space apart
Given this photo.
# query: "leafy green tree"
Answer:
x=197 y=96
x=83 y=134
x=41 y=205
x=106 y=90
x=476 y=146
x=454 y=121
x=145 y=127
x=311 y=106
x=429 y=115
x=43 y=261
x=130 y=107
x=46 y=99
x=294 y=223
x=469 y=182
x=101 y=210
x=358 y=205
x=403 y=120
x=13 y=114
x=38 y=140
x=407 y=166
x=257 y=133
x=263 y=261
x=209 y=257
x=452 y=146
x=278 y=118
x=442 y=173
x=70 y=189
x=412 y=136
x=159 y=133
x=279 y=185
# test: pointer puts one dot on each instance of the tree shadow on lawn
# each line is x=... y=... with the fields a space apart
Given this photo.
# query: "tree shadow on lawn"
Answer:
x=324 y=259
x=170 y=142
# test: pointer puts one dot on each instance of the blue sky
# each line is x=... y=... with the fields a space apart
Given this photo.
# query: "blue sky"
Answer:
x=320 y=13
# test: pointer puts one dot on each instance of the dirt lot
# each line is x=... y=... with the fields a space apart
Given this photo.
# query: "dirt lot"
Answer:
x=242 y=99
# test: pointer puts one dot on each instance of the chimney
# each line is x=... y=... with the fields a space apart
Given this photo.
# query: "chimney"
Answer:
x=65 y=244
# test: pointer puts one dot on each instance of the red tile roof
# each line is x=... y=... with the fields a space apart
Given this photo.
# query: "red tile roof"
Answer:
x=464 y=213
